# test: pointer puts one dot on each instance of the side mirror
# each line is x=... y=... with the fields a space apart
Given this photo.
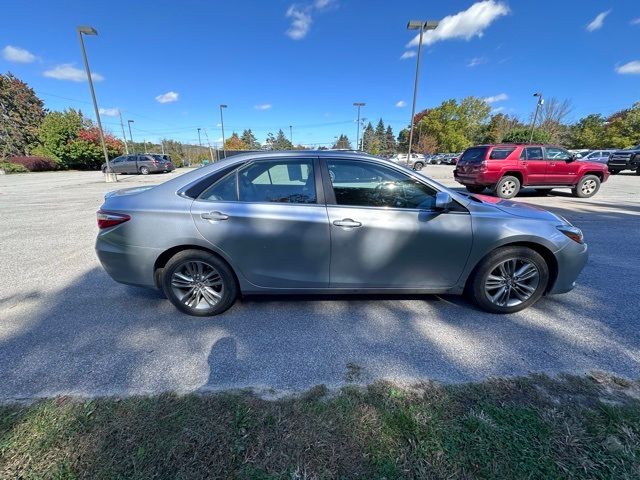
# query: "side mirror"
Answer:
x=443 y=201
x=572 y=158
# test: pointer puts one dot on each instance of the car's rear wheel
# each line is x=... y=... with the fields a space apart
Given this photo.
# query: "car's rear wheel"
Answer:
x=199 y=283
x=475 y=188
x=587 y=187
x=509 y=279
x=508 y=187
x=144 y=170
x=418 y=166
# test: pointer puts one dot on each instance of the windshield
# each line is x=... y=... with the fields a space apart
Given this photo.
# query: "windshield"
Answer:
x=473 y=155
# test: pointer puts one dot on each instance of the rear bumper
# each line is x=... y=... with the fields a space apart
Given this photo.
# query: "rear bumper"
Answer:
x=472 y=179
x=127 y=264
x=571 y=261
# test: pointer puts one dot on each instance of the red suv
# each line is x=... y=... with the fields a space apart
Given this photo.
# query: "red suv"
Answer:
x=505 y=168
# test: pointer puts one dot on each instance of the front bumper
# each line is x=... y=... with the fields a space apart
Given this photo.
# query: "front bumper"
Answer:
x=128 y=264
x=571 y=261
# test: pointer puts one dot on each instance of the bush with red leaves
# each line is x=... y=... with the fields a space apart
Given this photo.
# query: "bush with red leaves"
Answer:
x=35 y=164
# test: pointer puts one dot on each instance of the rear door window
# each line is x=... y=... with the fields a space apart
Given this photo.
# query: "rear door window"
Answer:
x=500 y=153
x=532 y=153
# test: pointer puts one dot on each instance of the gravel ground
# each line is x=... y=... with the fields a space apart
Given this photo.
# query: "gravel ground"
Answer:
x=67 y=328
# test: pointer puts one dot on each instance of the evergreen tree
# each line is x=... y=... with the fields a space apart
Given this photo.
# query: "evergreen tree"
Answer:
x=389 y=141
x=279 y=142
x=342 y=143
x=250 y=140
x=368 y=137
x=380 y=137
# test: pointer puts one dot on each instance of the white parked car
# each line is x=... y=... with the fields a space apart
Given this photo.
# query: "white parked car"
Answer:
x=416 y=162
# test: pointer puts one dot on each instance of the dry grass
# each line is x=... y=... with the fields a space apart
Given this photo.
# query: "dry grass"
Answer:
x=534 y=427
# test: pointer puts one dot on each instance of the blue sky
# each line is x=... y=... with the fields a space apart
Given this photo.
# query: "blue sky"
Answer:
x=167 y=65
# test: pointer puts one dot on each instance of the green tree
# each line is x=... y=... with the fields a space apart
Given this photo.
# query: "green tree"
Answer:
x=21 y=113
x=498 y=127
x=522 y=135
x=176 y=151
x=403 y=141
x=235 y=143
x=250 y=140
x=368 y=138
x=380 y=137
x=342 y=143
x=279 y=142
x=389 y=141
x=56 y=132
x=623 y=128
x=588 y=132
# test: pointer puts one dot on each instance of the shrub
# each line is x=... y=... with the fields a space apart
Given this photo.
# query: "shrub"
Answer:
x=34 y=164
x=13 y=168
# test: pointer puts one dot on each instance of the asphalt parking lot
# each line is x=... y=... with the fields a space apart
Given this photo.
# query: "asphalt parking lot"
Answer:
x=67 y=328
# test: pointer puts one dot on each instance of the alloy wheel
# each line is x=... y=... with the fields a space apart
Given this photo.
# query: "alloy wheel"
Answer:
x=197 y=284
x=508 y=188
x=512 y=282
x=588 y=187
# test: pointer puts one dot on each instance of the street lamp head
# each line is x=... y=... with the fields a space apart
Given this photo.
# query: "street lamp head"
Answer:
x=537 y=94
x=87 y=30
x=359 y=104
x=223 y=106
x=130 y=121
x=424 y=24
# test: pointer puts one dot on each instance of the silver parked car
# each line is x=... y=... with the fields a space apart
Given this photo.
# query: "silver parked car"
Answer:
x=142 y=163
x=330 y=222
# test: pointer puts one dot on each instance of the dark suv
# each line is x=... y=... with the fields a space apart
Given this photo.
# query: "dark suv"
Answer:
x=505 y=168
x=143 y=163
x=627 y=159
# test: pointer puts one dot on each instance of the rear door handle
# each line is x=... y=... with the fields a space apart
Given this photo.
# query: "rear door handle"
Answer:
x=214 y=216
x=347 y=223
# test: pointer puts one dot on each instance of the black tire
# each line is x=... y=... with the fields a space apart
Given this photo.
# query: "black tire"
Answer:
x=475 y=188
x=144 y=170
x=587 y=187
x=638 y=171
x=228 y=288
x=507 y=187
x=104 y=169
x=614 y=172
x=478 y=280
x=418 y=166
x=543 y=191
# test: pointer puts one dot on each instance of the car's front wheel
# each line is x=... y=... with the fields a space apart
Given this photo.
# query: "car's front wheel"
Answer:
x=418 y=166
x=508 y=187
x=199 y=283
x=587 y=187
x=144 y=170
x=509 y=279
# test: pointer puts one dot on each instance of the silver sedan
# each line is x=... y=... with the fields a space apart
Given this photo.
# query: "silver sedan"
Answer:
x=330 y=222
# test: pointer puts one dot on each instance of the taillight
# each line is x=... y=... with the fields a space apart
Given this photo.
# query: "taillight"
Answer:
x=110 y=219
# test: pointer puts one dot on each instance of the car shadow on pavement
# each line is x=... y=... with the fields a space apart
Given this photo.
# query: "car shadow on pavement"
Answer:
x=96 y=337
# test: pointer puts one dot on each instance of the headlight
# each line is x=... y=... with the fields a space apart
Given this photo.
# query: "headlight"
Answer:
x=572 y=232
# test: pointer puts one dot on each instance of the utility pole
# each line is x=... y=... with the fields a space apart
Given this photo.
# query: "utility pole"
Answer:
x=145 y=145
x=535 y=116
x=133 y=146
x=224 y=149
x=124 y=135
x=422 y=26
x=358 y=104
x=87 y=30
x=291 y=135
x=206 y=135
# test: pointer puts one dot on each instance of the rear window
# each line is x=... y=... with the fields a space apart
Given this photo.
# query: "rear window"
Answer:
x=501 y=153
x=473 y=155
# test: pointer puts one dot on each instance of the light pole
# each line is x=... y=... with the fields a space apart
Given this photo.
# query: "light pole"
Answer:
x=133 y=146
x=358 y=105
x=291 y=135
x=224 y=149
x=87 y=30
x=535 y=116
x=199 y=140
x=422 y=26
x=124 y=135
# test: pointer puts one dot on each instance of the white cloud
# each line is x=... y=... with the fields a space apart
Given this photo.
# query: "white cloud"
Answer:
x=635 y=21
x=401 y=104
x=320 y=4
x=300 y=22
x=631 y=68
x=597 y=22
x=17 y=54
x=408 y=54
x=264 y=106
x=475 y=61
x=497 y=110
x=496 y=98
x=109 y=112
x=167 y=97
x=67 y=71
x=467 y=24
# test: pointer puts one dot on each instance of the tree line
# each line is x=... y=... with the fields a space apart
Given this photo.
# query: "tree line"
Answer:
x=71 y=140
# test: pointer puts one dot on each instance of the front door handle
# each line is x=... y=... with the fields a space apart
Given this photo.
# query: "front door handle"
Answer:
x=214 y=216
x=347 y=223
